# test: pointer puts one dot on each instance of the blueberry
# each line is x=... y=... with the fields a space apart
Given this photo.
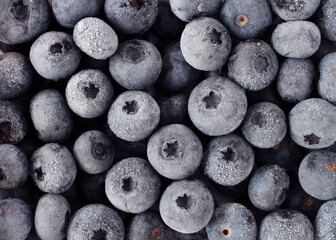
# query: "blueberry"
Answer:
x=147 y=226
x=96 y=38
x=94 y=152
x=24 y=192
x=325 y=222
x=16 y=219
x=53 y=168
x=253 y=65
x=186 y=206
x=96 y=221
x=51 y=116
x=326 y=85
x=286 y=224
x=295 y=79
x=54 y=55
x=89 y=93
x=23 y=20
x=68 y=13
x=217 y=106
x=136 y=64
x=131 y=16
x=173 y=109
x=317 y=174
x=310 y=122
x=296 y=39
x=228 y=160
x=15 y=74
x=14 y=166
x=294 y=10
x=132 y=185
x=51 y=217
x=92 y=187
x=200 y=235
x=13 y=124
x=189 y=10
x=325 y=19
x=264 y=125
x=205 y=44
x=176 y=73
x=232 y=221
x=133 y=115
x=325 y=48
x=246 y=18
x=175 y=151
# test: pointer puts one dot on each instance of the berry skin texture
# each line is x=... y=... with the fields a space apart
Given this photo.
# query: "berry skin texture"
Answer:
x=96 y=221
x=136 y=64
x=54 y=55
x=133 y=115
x=310 y=122
x=14 y=166
x=317 y=174
x=325 y=19
x=132 y=185
x=175 y=151
x=325 y=227
x=217 y=106
x=186 y=206
x=96 y=38
x=16 y=219
x=326 y=85
x=51 y=116
x=232 y=221
x=286 y=224
x=296 y=39
x=173 y=109
x=253 y=65
x=89 y=93
x=53 y=168
x=205 y=44
x=264 y=125
x=52 y=216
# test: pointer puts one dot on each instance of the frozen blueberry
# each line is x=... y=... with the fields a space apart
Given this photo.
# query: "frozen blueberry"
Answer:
x=296 y=39
x=133 y=115
x=326 y=20
x=176 y=73
x=175 y=151
x=96 y=38
x=286 y=224
x=326 y=84
x=15 y=74
x=148 y=226
x=94 y=152
x=16 y=219
x=325 y=225
x=264 y=125
x=310 y=122
x=51 y=116
x=68 y=13
x=23 y=20
x=131 y=16
x=217 y=106
x=53 y=168
x=246 y=18
x=268 y=187
x=200 y=235
x=132 y=185
x=89 y=93
x=228 y=160
x=51 y=217
x=232 y=221
x=92 y=187
x=14 y=166
x=54 y=55
x=96 y=221
x=253 y=65
x=205 y=43
x=188 y=10
x=293 y=9
x=317 y=174
x=186 y=206
x=13 y=124
x=325 y=48
x=173 y=109
x=295 y=79
x=136 y=64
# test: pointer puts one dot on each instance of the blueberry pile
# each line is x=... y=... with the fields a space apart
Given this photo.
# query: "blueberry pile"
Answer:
x=168 y=120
